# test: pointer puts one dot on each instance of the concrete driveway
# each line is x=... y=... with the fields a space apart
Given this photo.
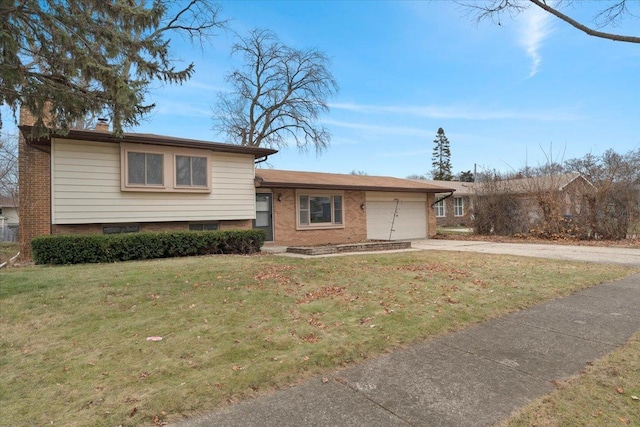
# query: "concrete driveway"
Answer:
x=622 y=256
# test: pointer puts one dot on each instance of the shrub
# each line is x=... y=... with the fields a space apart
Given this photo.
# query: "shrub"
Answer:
x=95 y=248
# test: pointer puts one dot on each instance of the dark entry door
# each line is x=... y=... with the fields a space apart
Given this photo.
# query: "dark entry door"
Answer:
x=264 y=214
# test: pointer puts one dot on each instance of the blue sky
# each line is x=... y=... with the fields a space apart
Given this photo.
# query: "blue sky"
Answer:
x=506 y=96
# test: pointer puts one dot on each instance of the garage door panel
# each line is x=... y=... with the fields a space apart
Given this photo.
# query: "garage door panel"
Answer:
x=392 y=220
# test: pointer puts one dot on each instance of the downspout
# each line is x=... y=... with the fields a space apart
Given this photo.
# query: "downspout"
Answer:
x=260 y=160
x=442 y=198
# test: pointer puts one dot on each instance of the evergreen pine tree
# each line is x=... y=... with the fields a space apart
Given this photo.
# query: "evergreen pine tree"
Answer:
x=441 y=160
x=66 y=59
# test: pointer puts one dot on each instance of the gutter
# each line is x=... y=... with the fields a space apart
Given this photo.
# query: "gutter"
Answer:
x=442 y=198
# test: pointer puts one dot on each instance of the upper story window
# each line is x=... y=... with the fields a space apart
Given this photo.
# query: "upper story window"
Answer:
x=145 y=168
x=458 y=206
x=191 y=171
x=440 y=209
x=168 y=169
x=323 y=210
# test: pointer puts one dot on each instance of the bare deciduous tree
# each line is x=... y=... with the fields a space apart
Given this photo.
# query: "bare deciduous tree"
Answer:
x=9 y=166
x=613 y=210
x=277 y=96
x=609 y=15
x=496 y=209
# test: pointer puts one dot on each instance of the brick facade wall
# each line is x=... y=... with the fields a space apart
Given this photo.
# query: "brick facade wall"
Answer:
x=148 y=226
x=34 y=181
x=284 y=219
x=450 y=220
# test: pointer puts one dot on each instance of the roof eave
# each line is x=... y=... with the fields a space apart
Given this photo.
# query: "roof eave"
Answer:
x=316 y=186
x=107 y=137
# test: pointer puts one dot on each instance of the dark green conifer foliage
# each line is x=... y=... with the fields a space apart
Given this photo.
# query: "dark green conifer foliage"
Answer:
x=66 y=59
x=441 y=160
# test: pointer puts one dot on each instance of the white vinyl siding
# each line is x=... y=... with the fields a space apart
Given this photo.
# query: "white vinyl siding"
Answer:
x=86 y=188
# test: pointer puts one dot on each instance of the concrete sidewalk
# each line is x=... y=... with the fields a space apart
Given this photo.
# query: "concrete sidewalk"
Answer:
x=475 y=377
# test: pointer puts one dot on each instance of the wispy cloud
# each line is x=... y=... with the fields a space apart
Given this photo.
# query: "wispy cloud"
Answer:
x=471 y=112
x=377 y=129
x=537 y=27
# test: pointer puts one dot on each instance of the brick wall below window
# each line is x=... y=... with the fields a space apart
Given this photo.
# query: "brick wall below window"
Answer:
x=150 y=226
x=285 y=222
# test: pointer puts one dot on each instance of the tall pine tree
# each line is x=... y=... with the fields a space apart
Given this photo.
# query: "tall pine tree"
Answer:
x=441 y=160
x=66 y=59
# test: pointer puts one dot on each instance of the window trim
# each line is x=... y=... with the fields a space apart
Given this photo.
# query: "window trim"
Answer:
x=168 y=171
x=320 y=193
x=192 y=186
x=442 y=204
x=455 y=207
x=142 y=186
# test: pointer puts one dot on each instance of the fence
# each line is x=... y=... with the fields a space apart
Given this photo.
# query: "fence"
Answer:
x=8 y=234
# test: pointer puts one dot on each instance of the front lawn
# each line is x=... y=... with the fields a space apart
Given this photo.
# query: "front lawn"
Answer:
x=74 y=348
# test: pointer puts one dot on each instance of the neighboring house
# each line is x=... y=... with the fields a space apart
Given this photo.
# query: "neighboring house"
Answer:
x=94 y=182
x=536 y=194
x=457 y=209
x=310 y=208
x=454 y=210
x=9 y=219
x=8 y=212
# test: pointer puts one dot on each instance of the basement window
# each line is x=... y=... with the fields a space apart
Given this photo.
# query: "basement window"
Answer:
x=206 y=226
x=118 y=229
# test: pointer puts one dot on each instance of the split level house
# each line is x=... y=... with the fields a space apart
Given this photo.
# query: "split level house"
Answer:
x=95 y=182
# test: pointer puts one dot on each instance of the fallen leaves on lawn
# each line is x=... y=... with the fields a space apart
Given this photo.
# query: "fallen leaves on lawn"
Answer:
x=326 y=292
x=274 y=273
x=311 y=338
x=619 y=390
x=315 y=322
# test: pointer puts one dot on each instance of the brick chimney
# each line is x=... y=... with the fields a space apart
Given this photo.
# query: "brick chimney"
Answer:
x=34 y=181
x=102 y=125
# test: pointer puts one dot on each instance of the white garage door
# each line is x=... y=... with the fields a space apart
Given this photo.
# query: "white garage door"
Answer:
x=396 y=220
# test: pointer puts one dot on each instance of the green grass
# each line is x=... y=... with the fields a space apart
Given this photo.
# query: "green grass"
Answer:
x=456 y=230
x=602 y=395
x=73 y=348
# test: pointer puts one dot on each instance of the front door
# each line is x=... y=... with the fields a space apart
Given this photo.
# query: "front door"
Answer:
x=264 y=214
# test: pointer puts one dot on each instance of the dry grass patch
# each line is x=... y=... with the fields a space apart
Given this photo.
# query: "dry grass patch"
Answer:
x=73 y=340
x=607 y=393
x=8 y=250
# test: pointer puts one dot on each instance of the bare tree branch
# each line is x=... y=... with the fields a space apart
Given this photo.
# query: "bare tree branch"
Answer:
x=278 y=96
x=608 y=16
